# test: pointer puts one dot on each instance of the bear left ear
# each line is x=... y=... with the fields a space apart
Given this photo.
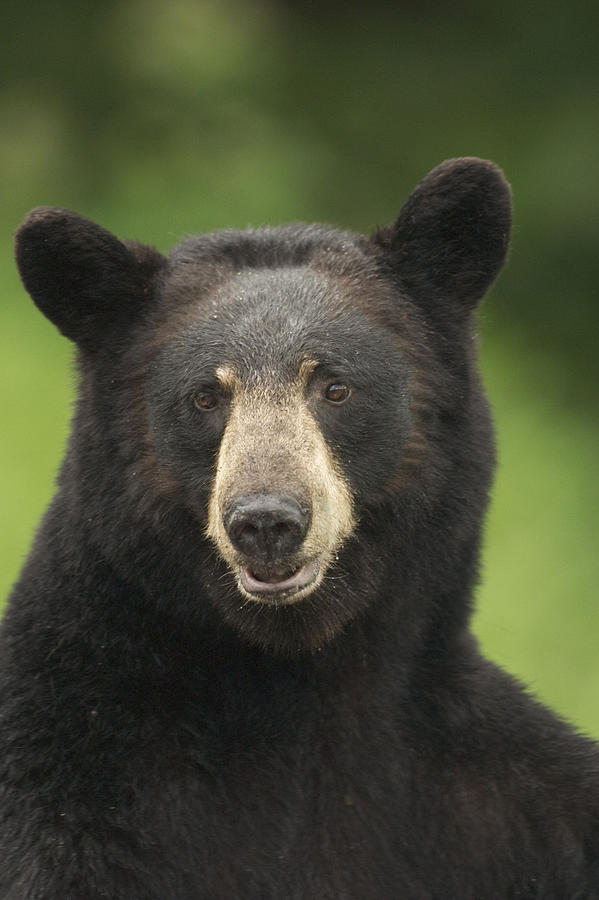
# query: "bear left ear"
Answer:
x=82 y=277
x=452 y=236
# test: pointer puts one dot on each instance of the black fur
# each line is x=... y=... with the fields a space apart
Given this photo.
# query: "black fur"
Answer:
x=164 y=738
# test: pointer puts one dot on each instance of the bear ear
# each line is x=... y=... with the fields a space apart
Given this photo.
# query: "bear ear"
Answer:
x=452 y=235
x=80 y=276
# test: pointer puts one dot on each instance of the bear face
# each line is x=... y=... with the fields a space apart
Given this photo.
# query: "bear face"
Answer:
x=281 y=401
x=276 y=441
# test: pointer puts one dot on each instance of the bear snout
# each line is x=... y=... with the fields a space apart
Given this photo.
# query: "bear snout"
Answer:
x=267 y=528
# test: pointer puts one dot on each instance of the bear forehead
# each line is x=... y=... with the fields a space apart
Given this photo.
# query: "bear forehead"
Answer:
x=275 y=318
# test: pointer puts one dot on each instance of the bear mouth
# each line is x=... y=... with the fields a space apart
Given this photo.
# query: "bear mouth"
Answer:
x=276 y=587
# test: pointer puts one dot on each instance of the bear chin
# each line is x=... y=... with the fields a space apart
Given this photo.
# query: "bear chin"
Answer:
x=302 y=622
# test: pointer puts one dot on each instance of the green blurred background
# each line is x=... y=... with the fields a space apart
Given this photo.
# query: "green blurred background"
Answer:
x=158 y=119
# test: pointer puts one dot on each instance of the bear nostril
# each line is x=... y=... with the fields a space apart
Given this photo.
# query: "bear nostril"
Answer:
x=243 y=533
x=267 y=527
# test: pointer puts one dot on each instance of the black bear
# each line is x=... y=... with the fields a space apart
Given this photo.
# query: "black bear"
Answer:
x=238 y=661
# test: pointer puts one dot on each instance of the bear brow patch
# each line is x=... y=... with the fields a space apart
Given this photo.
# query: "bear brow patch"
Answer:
x=306 y=369
x=228 y=379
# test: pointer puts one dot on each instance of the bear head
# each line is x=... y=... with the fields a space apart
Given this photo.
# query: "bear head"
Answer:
x=281 y=429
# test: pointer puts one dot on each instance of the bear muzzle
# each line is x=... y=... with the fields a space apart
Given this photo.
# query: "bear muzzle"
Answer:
x=280 y=507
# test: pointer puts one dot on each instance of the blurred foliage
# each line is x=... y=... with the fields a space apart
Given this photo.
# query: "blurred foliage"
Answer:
x=161 y=119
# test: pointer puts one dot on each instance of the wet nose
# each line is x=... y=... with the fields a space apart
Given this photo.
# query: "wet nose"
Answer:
x=267 y=527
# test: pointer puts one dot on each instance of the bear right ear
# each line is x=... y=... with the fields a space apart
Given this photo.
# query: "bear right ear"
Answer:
x=452 y=236
x=80 y=276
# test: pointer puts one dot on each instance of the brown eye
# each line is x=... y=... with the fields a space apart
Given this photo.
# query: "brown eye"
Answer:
x=205 y=401
x=337 y=393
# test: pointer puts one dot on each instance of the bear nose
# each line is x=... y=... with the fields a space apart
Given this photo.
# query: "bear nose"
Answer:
x=267 y=527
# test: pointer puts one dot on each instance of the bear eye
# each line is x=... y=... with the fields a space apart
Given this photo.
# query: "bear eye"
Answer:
x=205 y=401
x=337 y=393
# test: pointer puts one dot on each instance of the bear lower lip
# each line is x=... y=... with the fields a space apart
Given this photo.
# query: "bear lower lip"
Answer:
x=253 y=584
